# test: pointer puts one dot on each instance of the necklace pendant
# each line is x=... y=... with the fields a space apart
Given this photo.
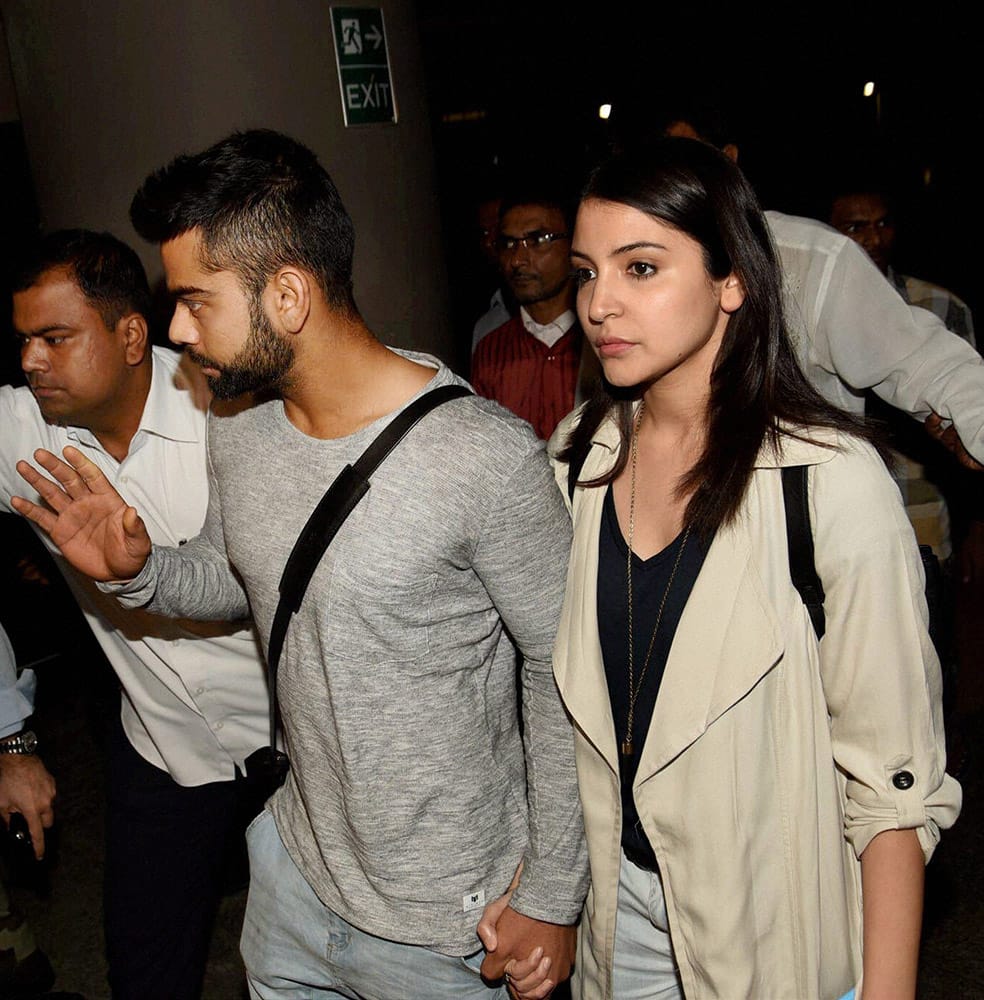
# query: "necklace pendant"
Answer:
x=628 y=747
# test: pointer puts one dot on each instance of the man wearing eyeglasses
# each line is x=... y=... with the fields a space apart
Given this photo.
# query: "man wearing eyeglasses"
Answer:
x=532 y=363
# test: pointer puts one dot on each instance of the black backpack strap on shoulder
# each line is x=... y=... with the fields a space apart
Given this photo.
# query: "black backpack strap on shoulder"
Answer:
x=799 y=535
x=340 y=499
x=574 y=468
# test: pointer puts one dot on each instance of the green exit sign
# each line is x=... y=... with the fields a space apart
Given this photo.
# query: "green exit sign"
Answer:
x=363 y=65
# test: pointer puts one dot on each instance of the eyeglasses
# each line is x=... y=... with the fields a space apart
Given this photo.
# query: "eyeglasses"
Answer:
x=531 y=241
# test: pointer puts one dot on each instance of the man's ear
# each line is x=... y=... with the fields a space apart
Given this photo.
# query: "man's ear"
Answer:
x=133 y=329
x=730 y=150
x=288 y=298
x=732 y=293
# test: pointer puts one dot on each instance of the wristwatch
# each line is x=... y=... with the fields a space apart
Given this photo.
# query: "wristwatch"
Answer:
x=23 y=743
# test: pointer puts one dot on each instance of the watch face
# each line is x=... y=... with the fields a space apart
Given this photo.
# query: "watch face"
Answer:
x=24 y=743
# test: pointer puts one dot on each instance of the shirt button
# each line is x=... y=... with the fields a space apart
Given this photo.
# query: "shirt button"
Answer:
x=199 y=690
x=218 y=726
x=903 y=780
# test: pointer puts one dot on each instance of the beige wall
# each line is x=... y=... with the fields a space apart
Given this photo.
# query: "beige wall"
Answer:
x=111 y=89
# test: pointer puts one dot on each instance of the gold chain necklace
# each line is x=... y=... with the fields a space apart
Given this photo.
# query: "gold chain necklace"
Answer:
x=628 y=747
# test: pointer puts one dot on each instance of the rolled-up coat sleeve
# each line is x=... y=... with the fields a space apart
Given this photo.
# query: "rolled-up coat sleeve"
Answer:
x=880 y=672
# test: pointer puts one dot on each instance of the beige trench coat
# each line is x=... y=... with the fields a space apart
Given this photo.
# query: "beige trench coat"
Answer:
x=770 y=759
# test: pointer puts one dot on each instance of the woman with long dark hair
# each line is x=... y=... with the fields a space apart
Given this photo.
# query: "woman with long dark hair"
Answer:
x=759 y=803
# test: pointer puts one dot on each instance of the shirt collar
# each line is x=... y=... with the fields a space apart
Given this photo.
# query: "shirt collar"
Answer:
x=164 y=414
x=550 y=332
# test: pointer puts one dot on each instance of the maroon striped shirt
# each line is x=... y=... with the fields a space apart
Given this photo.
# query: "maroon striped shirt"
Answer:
x=536 y=382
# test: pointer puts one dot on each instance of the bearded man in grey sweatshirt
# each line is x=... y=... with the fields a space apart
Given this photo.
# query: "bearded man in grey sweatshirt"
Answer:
x=413 y=804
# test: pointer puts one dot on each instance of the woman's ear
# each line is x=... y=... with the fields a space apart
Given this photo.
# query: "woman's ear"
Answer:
x=732 y=293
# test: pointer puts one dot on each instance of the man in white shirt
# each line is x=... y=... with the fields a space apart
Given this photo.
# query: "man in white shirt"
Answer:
x=852 y=331
x=194 y=698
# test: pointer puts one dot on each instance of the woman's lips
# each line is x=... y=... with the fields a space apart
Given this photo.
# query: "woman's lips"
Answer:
x=613 y=348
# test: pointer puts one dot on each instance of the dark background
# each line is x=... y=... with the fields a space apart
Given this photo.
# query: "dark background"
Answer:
x=516 y=87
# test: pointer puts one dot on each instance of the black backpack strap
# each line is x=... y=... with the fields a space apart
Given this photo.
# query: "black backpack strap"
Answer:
x=574 y=468
x=799 y=535
x=340 y=499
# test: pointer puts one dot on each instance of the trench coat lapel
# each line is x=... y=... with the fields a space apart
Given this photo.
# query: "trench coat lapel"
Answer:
x=727 y=640
x=578 y=664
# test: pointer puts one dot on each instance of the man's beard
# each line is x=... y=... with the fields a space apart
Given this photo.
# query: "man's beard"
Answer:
x=264 y=363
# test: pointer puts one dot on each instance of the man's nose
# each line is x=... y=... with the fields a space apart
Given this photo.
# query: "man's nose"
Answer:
x=519 y=256
x=34 y=356
x=181 y=329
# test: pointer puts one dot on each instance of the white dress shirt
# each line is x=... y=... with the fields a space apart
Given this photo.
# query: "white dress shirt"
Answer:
x=194 y=693
x=548 y=333
x=16 y=693
x=851 y=331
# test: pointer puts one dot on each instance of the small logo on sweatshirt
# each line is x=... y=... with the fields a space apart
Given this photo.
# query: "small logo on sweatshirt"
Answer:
x=473 y=900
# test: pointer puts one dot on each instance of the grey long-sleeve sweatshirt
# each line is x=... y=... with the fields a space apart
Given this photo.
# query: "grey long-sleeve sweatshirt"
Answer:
x=411 y=798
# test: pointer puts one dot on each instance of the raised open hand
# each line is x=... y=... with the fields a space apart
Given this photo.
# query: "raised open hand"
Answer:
x=97 y=532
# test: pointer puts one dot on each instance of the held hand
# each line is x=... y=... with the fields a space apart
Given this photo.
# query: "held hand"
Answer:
x=27 y=787
x=948 y=437
x=86 y=518
x=492 y=912
x=536 y=955
x=529 y=980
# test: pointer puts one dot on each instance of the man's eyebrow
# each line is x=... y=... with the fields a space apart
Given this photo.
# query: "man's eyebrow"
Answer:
x=43 y=330
x=185 y=291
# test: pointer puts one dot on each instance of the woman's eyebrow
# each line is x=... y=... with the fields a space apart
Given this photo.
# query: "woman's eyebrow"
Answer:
x=641 y=245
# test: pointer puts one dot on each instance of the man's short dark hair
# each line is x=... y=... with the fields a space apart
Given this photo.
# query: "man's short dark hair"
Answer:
x=854 y=179
x=543 y=194
x=260 y=201
x=108 y=272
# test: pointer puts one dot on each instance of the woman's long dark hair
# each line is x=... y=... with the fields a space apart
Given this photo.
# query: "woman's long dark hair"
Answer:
x=756 y=383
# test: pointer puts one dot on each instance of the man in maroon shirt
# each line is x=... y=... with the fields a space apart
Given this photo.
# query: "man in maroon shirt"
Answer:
x=531 y=364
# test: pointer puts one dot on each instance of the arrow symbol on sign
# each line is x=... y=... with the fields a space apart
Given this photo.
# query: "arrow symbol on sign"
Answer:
x=375 y=36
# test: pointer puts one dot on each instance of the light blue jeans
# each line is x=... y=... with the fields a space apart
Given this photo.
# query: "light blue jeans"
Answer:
x=644 y=967
x=295 y=948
